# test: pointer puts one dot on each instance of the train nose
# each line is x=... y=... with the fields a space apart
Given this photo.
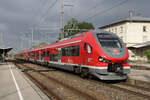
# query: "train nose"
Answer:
x=113 y=67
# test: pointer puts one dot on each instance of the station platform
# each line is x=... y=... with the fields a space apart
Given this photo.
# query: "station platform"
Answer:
x=147 y=65
x=138 y=72
x=142 y=75
x=14 y=85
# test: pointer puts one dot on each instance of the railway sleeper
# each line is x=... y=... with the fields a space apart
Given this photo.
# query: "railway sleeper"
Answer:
x=85 y=73
x=27 y=70
x=77 y=69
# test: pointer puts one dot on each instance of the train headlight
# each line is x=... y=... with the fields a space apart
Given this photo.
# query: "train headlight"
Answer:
x=103 y=60
x=100 y=59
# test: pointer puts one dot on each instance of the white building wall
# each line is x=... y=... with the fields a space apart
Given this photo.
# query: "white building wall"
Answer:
x=119 y=29
x=135 y=33
x=131 y=32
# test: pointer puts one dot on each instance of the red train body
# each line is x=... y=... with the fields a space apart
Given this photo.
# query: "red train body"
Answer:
x=98 y=53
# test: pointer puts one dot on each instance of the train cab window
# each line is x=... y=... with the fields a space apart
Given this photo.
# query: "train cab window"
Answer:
x=144 y=29
x=89 y=49
x=108 y=41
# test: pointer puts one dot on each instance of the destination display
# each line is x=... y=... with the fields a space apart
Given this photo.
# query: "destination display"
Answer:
x=100 y=35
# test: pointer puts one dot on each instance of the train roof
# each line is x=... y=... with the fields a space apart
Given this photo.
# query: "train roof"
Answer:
x=73 y=39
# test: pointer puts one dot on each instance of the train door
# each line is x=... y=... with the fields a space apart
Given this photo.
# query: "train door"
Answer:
x=87 y=54
x=59 y=55
x=40 y=55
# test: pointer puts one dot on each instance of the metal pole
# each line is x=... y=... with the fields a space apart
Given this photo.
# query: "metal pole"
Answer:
x=21 y=42
x=1 y=39
x=62 y=16
x=32 y=33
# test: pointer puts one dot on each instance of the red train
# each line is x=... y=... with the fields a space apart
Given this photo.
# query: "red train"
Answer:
x=97 y=53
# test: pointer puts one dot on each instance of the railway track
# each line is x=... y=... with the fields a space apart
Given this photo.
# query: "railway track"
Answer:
x=140 y=67
x=126 y=87
x=56 y=89
x=136 y=92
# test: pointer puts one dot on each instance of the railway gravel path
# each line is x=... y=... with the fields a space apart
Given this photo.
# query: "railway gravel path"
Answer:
x=93 y=87
x=58 y=89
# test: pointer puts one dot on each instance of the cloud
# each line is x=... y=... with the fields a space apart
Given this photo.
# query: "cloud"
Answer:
x=3 y=27
x=22 y=15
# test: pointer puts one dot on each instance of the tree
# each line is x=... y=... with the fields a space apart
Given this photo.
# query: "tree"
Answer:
x=68 y=28
x=42 y=44
x=85 y=25
x=74 y=27
x=34 y=46
x=39 y=45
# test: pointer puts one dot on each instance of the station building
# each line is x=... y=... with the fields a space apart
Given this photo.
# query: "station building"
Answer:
x=134 y=31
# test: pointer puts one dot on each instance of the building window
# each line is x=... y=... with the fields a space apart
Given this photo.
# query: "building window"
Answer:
x=121 y=37
x=144 y=29
x=116 y=30
x=121 y=29
x=112 y=30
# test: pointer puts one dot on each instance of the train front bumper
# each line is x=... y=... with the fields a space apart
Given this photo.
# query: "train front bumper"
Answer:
x=103 y=74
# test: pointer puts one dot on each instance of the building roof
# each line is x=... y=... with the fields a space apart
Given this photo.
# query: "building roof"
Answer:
x=129 y=19
x=142 y=45
x=4 y=50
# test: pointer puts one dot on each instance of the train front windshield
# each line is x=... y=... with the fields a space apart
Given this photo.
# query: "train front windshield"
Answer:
x=109 y=42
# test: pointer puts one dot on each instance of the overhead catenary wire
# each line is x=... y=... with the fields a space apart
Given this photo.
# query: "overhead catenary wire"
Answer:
x=37 y=13
x=90 y=9
x=45 y=14
x=106 y=10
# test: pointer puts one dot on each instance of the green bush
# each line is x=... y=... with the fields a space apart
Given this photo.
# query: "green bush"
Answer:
x=147 y=54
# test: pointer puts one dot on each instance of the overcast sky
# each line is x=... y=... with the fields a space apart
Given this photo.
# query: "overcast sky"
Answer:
x=17 y=17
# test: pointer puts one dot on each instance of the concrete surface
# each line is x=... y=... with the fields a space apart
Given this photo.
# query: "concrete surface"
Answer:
x=140 y=64
x=143 y=75
x=14 y=85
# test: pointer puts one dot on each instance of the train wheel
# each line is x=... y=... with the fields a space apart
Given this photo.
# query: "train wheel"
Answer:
x=77 y=70
x=84 y=72
x=90 y=76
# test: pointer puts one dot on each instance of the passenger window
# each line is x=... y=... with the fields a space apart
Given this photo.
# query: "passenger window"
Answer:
x=89 y=48
x=71 y=51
